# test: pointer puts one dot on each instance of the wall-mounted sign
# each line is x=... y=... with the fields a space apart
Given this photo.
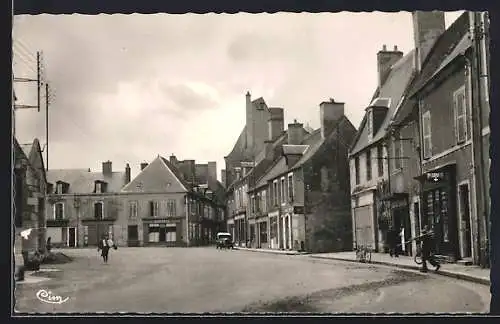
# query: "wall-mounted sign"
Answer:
x=436 y=176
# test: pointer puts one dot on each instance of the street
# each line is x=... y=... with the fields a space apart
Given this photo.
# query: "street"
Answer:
x=144 y=280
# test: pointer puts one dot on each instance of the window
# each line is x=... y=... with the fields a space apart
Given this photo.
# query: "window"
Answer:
x=153 y=209
x=98 y=187
x=59 y=188
x=98 y=210
x=290 y=187
x=264 y=201
x=459 y=105
x=396 y=151
x=356 y=169
x=380 y=160
x=369 y=165
x=426 y=135
x=275 y=192
x=283 y=191
x=369 y=124
x=171 y=212
x=132 y=210
x=110 y=232
x=59 y=211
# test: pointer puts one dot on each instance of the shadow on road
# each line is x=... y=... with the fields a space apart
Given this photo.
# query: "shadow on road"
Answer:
x=310 y=303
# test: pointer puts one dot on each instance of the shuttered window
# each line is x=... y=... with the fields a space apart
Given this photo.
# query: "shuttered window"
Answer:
x=459 y=105
x=426 y=135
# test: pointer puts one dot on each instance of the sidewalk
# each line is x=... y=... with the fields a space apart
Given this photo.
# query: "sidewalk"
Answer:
x=285 y=252
x=469 y=273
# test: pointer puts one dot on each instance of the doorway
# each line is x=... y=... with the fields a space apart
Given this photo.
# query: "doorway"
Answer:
x=72 y=237
x=133 y=235
x=464 y=205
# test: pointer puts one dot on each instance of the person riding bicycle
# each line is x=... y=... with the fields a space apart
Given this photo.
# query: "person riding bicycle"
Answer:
x=427 y=239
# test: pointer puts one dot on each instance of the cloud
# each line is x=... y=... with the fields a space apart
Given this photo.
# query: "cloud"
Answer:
x=128 y=87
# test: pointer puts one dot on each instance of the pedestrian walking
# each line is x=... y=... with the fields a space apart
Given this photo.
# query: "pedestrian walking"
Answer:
x=427 y=241
x=105 y=244
x=48 y=246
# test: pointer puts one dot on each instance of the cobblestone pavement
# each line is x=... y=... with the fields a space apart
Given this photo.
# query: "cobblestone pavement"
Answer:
x=196 y=280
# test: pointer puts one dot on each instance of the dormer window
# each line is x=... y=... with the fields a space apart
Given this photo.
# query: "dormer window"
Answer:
x=50 y=188
x=61 y=187
x=99 y=186
x=238 y=173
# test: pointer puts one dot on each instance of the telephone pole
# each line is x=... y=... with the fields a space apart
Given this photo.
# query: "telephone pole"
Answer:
x=39 y=84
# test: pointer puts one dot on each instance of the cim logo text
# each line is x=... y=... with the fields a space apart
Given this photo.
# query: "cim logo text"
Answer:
x=47 y=297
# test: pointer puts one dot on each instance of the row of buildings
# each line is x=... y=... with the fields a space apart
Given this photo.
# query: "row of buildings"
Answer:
x=421 y=154
x=289 y=188
x=169 y=203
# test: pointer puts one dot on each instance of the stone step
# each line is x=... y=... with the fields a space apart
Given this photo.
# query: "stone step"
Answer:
x=465 y=262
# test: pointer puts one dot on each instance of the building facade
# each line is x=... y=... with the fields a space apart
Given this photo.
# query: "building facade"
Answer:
x=370 y=156
x=298 y=187
x=29 y=188
x=84 y=205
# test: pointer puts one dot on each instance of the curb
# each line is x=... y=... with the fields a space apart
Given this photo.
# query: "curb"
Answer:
x=271 y=252
x=445 y=273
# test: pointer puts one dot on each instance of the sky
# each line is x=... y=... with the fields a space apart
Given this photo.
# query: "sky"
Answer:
x=126 y=88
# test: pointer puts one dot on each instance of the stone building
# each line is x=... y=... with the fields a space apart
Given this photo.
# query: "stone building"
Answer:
x=29 y=187
x=84 y=205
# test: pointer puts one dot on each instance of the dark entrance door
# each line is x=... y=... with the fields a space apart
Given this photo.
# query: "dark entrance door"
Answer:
x=402 y=221
x=416 y=213
x=438 y=219
x=463 y=192
x=133 y=235
x=72 y=236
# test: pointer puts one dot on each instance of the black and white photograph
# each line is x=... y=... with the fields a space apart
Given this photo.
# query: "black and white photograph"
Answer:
x=292 y=163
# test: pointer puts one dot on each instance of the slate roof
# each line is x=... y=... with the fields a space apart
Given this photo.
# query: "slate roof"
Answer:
x=82 y=181
x=394 y=88
x=181 y=176
x=448 y=47
x=294 y=149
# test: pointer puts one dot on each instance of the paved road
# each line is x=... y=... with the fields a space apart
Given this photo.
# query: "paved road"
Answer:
x=145 y=280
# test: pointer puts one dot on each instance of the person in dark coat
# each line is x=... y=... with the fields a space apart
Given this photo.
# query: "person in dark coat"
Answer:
x=49 y=245
x=427 y=239
x=392 y=241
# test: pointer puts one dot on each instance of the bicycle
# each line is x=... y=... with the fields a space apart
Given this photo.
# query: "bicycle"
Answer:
x=364 y=254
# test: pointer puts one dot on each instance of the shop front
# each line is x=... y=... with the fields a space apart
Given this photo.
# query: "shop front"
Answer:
x=440 y=210
x=162 y=232
x=263 y=232
x=274 y=230
x=240 y=230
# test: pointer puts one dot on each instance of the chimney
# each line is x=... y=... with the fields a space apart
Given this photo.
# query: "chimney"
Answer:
x=173 y=159
x=127 y=173
x=276 y=124
x=385 y=59
x=295 y=133
x=223 y=177
x=190 y=170
x=143 y=165
x=427 y=27
x=212 y=171
x=249 y=119
x=107 y=168
x=330 y=112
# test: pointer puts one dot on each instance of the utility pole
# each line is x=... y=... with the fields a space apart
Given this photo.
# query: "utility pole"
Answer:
x=39 y=84
x=47 y=101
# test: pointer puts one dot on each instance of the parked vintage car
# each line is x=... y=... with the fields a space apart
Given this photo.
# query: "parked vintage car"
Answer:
x=224 y=241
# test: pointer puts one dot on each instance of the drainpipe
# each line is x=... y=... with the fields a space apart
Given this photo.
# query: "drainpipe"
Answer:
x=484 y=93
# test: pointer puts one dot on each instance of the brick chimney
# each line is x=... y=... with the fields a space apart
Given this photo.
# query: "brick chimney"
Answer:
x=330 y=112
x=385 y=59
x=249 y=119
x=144 y=165
x=295 y=133
x=223 y=177
x=212 y=171
x=173 y=159
x=276 y=123
x=427 y=27
x=127 y=173
x=107 y=168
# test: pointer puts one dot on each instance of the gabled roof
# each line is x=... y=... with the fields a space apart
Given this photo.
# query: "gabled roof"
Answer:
x=394 y=88
x=448 y=46
x=160 y=176
x=81 y=181
x=451 y=44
